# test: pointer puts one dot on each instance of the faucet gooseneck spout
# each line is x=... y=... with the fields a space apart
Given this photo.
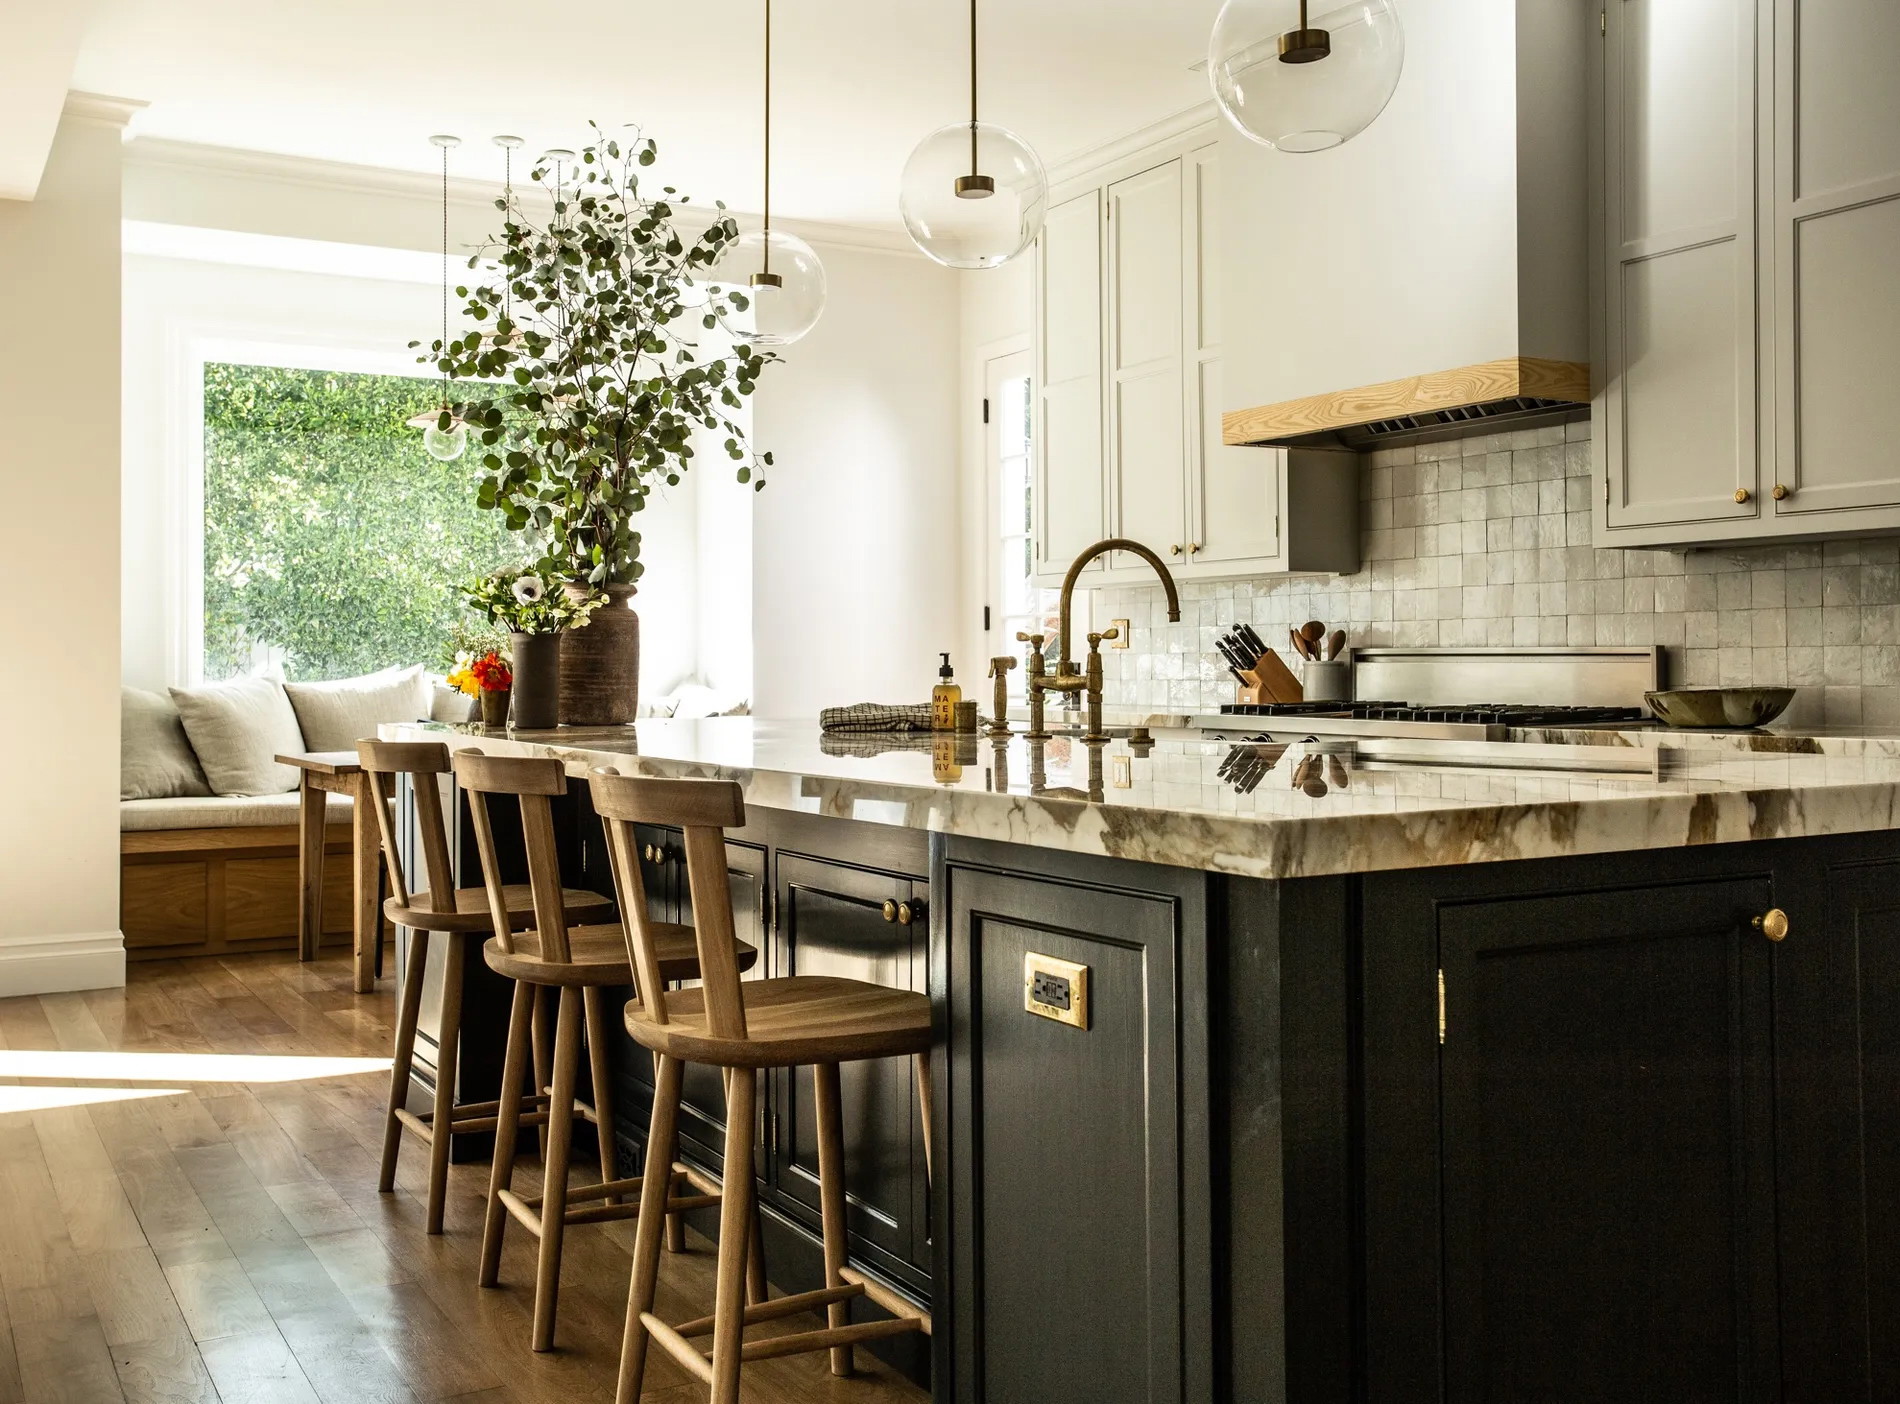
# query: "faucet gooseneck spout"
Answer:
x=1065 y=665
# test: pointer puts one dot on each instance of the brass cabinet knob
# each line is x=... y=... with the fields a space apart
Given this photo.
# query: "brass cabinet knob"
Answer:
x=1742 y=494
x=650 y=853
x=890 y=911
x=1193 y=546
x=1174 y=550
x=1781 y=492
x=906 y=913
x=1773 y=924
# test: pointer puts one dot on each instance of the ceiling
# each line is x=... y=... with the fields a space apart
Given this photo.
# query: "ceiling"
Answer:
x=855 y=82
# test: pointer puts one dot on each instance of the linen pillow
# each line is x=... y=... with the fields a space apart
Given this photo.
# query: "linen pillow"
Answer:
x=336 y=715
x=155 y=758
x=237 y=727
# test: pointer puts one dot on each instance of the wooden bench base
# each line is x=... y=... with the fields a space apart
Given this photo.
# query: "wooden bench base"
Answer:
x=216 y=891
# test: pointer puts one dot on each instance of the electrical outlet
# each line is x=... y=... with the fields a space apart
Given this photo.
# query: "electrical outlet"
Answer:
x=1121 y=633
x=1056 y=989
x=1121 y=772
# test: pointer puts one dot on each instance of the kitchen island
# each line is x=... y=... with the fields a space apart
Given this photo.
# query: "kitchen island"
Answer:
x=1411 y=1072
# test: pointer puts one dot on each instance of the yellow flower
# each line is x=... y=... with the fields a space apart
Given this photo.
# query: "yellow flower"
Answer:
x=463 y=681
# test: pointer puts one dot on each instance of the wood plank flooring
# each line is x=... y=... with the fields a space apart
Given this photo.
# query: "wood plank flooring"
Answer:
x=224 y=1243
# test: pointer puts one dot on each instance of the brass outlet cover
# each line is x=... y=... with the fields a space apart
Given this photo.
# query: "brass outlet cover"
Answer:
x=1121 y=772
x=1120 y=627
x=1077 y=1014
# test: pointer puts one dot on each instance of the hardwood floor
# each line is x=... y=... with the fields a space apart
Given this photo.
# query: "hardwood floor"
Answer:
x=187 y=1240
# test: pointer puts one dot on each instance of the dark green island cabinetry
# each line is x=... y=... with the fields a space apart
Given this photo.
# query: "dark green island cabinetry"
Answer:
x=1567 y=1129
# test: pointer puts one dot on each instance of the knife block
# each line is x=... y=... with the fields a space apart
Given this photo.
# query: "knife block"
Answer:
x=1269 y=680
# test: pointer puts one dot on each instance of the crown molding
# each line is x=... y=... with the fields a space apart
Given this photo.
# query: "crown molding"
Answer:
x=101 y=107
x=1175 y=127
x=183 y=158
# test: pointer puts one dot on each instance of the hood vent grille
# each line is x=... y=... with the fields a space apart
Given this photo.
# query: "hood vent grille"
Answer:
x=1519 y=411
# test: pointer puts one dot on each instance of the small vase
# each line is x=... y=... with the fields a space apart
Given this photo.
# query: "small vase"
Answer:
x=495 y=706
x=600 y=663
x=537 y=689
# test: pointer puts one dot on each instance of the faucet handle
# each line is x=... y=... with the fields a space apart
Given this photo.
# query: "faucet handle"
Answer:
x=1002 y=664
x=1106 y=636
x=1033 y=640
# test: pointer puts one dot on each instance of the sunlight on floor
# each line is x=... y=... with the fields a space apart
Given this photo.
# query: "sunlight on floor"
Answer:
x=178 y=1067
x=26 y=1099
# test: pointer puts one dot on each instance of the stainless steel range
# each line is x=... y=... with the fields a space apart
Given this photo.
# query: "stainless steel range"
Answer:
x=1466 y=694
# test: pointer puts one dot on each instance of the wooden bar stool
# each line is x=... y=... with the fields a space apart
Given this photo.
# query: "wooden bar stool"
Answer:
x=458 y=914
x=580 y=961
x=774 y=1023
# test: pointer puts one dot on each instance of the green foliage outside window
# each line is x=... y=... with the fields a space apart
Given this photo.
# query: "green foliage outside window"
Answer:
x=333 y=543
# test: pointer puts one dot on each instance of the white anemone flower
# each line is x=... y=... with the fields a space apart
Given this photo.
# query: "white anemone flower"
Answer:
x=529 y=589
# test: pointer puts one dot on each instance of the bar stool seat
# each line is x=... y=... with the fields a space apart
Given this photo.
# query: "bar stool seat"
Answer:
x=597 y=955
x=791 y=1021
x=472 y=912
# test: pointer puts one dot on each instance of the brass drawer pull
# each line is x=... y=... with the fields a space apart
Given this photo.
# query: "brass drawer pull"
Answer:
x=890 y=910
x=1773 y=924
x=1742 y=494
x=1782 y=492
x=906 y=913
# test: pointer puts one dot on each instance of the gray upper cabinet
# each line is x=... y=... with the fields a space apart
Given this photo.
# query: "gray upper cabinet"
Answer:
x=1748 y=228
x=1836 y=229
x=1129 y=353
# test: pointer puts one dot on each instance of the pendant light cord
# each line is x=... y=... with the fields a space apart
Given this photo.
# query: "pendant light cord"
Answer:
x=766 y=265
x=445 y=272
x=507 y=274
x=973 y=161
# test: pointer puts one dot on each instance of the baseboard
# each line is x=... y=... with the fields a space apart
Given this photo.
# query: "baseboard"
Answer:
x=31 y=965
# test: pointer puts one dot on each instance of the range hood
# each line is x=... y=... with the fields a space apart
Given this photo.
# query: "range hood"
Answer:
x=1430 y=276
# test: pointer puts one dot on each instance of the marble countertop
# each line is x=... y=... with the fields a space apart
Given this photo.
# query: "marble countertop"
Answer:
x=1258 y=811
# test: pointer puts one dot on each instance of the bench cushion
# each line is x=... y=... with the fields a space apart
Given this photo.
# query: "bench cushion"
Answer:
x=222 y=812
x=336 y=715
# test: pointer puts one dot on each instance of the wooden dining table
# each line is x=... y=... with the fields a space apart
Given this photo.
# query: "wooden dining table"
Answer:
x=319 y=775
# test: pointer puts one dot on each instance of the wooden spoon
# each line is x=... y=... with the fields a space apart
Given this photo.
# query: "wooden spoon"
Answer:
x=1298 y=641
x=1314 y=631
x=1335 y=644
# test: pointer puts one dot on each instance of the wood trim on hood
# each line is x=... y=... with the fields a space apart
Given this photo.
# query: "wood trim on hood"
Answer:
x=1505 y=379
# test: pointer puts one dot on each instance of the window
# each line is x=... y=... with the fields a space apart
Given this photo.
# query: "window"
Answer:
x=1017 y=605
x=333 y=545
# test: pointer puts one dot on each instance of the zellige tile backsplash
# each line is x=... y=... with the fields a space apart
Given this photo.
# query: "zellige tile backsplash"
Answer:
x=1486 y=541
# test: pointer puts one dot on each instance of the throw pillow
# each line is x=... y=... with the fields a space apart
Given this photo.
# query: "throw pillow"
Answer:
x=336 y=715
x=237 y=728
x=155 y=757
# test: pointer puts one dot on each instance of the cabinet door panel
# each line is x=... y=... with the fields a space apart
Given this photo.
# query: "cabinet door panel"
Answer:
x=1234 y=493
x=1607 y=1105
x=831 y=922
x=1837 y=254
x=1679 y=417
x=1837 y=1039
x=1145 y=300
x=1069 y=496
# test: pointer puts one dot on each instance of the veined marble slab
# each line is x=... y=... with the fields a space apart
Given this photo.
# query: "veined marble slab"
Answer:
x=1253 y=811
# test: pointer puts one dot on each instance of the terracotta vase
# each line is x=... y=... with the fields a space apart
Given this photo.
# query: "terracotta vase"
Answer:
x=537 y=689
x=600 y=664
x=495 y=706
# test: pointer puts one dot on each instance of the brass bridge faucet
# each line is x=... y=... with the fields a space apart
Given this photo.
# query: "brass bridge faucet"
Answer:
x=1065 y=678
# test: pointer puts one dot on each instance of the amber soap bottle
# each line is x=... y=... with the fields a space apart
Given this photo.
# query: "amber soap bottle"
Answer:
x=944 y=698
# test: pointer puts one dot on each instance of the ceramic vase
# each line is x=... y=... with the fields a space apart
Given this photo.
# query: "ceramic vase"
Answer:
x=537 y=689
x=495 y=706
x=600 y=664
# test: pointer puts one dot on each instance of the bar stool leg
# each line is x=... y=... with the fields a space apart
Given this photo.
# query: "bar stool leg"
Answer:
x=448 y=1056
x=543 y=1057
x=926 y=1104
x=405 y=1057
x=735 y=1238
x=594 y=1002
x=514 y=1068
x=567 y=1056
x=651 y=1233
x=675 y=1223
x=755 y=1287
x=829 y=1104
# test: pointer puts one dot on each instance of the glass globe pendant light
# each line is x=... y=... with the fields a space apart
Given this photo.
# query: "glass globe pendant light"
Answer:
x=973 y=193
x=1311 y=87
x=783 y=277
x=443 y=435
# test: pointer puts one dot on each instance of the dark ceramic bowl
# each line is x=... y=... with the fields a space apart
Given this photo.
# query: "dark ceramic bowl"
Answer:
x=1719 y=706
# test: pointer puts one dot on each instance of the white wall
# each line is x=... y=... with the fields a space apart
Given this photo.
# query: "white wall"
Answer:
x=180 y=313
x=59 y=537
x=856 y=566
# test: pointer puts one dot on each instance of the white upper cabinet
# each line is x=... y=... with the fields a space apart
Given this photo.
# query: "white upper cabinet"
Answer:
x=1070 y=477
x=1750 y=297
x=1836 y=221
x=1129 y=324
x=1681 y=384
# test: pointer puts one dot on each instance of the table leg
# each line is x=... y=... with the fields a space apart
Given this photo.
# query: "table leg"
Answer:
x=367 y=850
x=310 y=836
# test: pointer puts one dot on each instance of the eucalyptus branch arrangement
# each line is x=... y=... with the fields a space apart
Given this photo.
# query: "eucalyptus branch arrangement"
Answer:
x=521 y=602
x=608 y=346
